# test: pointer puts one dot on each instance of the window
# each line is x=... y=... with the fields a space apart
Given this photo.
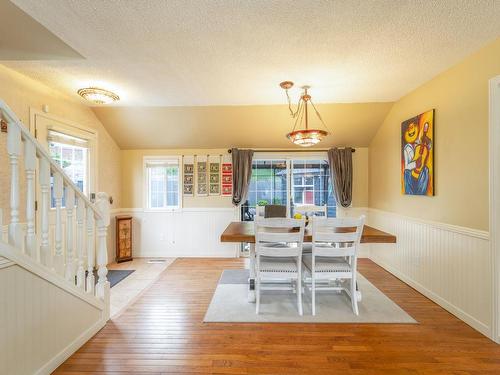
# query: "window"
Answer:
x=72 y=155
x=289 y=182
x=162 y=183
x=311 y=184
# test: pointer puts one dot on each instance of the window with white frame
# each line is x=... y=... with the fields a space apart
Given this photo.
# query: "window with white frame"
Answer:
x=72 y=155
x=162 y=183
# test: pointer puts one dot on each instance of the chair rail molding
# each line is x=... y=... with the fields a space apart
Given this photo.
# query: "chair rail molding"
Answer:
x=494 y=182
x=442 y=262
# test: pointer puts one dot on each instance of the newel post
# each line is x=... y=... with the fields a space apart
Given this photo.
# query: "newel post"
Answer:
x=103 y=207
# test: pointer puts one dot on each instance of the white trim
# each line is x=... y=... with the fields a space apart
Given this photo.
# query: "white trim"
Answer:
x=36 y=268
x=64 y=354
x=78 y=130
x=145 y=186
x=494 y=214
x=418 y=265
x=459 y=313
x=4 y=263
x=184 y=209
x=484 y=235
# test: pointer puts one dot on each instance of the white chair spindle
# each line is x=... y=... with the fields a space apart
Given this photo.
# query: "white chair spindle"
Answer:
x=90 y=250
x=58 y=195
x=70 y=263
x=14 y=151
x=80 y=212
x=102 y=205
x=29 y=167
x=45 y=253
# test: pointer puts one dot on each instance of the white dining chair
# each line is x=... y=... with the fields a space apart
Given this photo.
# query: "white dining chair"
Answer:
x=335 y=245
x=310 y=210
x=278 y=252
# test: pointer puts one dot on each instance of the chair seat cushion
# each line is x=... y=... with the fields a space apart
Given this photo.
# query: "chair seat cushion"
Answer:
x=268 y=264
x=326 y=264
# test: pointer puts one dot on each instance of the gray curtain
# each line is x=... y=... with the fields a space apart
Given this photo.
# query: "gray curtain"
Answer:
x=340 y=161
x=242 y=172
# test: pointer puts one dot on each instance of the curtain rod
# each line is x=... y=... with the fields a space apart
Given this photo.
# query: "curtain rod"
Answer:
x=299 y=150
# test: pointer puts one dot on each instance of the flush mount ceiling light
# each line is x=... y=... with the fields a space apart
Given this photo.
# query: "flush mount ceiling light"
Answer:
x=301 y=134
x=98 y=96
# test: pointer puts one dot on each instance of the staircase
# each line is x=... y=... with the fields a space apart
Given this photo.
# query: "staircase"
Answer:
x=50 y=304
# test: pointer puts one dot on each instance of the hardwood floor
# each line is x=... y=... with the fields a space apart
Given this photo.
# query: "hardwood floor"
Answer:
x=163 y=333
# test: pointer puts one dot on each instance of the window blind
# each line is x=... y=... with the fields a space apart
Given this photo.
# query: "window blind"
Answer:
x=59 y=137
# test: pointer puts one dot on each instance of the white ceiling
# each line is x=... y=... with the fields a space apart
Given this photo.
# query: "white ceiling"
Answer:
x=23 y=38
x=208 y=52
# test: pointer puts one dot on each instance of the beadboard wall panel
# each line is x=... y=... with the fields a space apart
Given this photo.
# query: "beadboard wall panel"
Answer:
x=449 y=264
x=42 y=324
x=190 y=232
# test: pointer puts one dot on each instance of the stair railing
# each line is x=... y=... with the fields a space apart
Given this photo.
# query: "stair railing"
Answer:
x=71 y=256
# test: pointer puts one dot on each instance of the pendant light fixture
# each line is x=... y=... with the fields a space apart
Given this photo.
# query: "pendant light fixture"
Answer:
x=301 y=134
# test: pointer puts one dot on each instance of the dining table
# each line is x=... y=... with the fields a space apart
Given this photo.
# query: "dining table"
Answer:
x=244 y=232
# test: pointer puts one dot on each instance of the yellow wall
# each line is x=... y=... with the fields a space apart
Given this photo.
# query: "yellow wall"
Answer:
x=20 y=93
x=133 y=180
x=460 y=97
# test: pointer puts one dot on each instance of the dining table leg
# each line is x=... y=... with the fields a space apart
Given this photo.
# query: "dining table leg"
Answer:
x=251 y=279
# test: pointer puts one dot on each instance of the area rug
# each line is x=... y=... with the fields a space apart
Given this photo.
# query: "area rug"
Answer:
x=230 y=304
x=114 y=276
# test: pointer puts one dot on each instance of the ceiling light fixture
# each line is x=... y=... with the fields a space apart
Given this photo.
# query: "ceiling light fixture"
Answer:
x=303 y=137
x=98 y=96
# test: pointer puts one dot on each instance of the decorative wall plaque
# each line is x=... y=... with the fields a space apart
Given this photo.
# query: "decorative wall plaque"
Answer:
x=188 y=173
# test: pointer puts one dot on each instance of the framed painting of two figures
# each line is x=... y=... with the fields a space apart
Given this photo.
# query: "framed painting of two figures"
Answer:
x=417 y=155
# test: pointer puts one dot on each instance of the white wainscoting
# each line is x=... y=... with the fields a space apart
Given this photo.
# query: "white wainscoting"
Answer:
x=448 y=264
x=364 y=250
x=189 y=232
x=42 y=323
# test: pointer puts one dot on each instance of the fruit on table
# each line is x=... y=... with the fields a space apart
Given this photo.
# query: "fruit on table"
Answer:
x=297 y=216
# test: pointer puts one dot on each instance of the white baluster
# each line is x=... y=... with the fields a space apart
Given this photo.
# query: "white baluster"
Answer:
x=102 y=206
x=90 y=251
x=70 y=205
x=29 y=166
x=80 y=273
x=45 y=253
x=58 y=194
x=14 y=151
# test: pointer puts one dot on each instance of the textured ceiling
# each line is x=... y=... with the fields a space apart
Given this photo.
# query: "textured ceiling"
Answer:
x=209 y=52
x=23 y=38
x=235 y=126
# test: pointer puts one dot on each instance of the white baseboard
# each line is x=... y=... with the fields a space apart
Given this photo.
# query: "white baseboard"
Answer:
x=459 y=313
x=448 y=264
x=62 y=356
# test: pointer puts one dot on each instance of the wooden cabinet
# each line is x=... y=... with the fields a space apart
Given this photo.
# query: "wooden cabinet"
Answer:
x=123 y=238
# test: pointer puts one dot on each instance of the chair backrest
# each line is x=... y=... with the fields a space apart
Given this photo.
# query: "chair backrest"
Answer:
x=279 y=237
x=271 y=210
x=310 y=209
x=336 y=237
